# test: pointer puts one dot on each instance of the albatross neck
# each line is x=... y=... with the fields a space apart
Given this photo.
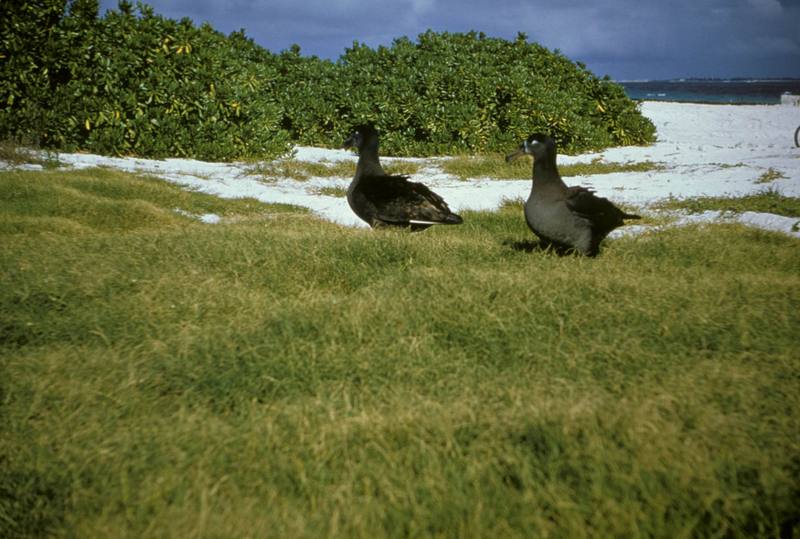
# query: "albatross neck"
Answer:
x=368 y=162
x=545 y=170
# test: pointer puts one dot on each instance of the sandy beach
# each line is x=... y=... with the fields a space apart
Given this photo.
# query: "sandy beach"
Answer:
x=705 y=150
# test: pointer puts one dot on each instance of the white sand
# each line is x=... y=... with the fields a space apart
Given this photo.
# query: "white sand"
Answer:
x=706 y=150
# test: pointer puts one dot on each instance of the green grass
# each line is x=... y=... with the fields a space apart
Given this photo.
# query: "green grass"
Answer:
x=729 y=165
x=334 y=191
x=495 y=166
x=303 y=170
x=14 y=154
x=287 y=377
x=465 y=167
x=408 y=168
x=768 y=201
x=770 y=176
x=105 y=200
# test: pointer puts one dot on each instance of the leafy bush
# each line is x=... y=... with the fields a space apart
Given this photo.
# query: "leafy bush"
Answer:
x=309 y=98
x=458 y=93
x=26 y=45
x=146 y=85
x=133 y=82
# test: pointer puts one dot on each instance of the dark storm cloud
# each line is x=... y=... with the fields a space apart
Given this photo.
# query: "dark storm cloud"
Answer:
x=622 y=38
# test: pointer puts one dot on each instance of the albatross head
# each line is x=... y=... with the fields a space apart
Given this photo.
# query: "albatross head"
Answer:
x=362 y=136
x=537 y=146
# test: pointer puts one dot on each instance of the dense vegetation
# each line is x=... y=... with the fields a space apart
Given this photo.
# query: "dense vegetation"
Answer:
x=462 y=93
x=133 y=82
x=280 y=376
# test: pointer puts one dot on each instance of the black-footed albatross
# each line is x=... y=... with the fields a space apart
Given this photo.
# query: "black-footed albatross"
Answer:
x=568 y=218
x=384 y=200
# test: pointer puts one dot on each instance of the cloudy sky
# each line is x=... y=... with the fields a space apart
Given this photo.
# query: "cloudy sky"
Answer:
x=626 y=39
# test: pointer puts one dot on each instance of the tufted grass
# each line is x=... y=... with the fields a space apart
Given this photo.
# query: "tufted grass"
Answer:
x=304 y=170
x=770 y=176
x=339 y=191
x=286 y=377
x=104 y=200
x=495 y=166
x=12 y=153
x=768 y=201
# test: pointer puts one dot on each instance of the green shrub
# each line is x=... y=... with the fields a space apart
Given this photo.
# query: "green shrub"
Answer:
x=26 y=45
x=309 y=98
x=463 y=93
x=142 y=84
x=451 y=93
x=135 y=83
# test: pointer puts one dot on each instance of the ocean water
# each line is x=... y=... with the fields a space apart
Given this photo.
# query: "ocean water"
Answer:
x=767 y=92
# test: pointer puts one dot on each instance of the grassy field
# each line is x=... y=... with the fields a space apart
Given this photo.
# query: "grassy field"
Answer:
x=279 y=376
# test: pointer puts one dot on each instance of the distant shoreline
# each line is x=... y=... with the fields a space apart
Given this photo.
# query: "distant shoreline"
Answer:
x=713 y=91
x=715 y=103
x=694 y=79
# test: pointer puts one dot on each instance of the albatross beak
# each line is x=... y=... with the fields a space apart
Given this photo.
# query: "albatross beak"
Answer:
x=515 y=155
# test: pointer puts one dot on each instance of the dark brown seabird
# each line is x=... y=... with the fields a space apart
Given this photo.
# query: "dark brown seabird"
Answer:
x=384 y=200
x=566 y=218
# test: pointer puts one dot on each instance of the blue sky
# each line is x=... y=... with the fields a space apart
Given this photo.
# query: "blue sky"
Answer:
x=626 y=39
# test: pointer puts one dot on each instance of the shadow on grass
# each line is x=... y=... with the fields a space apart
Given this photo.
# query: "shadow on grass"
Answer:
x=31 y=503
x=538 y=246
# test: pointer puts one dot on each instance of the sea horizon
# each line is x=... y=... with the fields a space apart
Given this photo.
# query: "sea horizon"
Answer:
x=711 y=79
x=738 y=90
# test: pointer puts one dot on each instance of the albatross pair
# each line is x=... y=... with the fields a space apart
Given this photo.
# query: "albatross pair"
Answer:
x=566 y=218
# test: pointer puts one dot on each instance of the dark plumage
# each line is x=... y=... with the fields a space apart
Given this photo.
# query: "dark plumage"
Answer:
x=565 y=217
x=384 y=200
